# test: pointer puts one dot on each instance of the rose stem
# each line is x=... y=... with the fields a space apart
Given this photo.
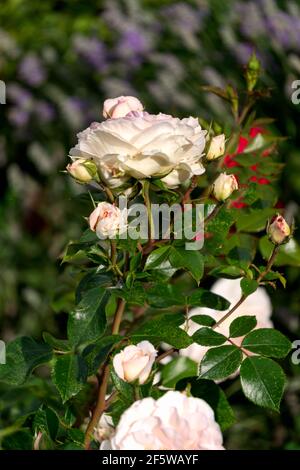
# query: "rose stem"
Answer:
x=100 y=405
x=259 y=279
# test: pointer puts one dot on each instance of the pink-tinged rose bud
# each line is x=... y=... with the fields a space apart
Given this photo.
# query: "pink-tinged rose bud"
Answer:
x=119 y=107
x=106 y=220
x=173 y=422
x=224 y=186
x=216 y=147
x=135 y=362
x=278 y=230
x=82 y=170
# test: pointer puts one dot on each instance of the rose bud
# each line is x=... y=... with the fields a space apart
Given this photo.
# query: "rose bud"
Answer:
x=82 y=170
x=216 y=147
x=105 y=220
x=224 y=186
x=135 y=362
x=119 y=107
x=278 y=230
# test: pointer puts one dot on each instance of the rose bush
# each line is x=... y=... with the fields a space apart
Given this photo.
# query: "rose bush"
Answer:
x=136 y=294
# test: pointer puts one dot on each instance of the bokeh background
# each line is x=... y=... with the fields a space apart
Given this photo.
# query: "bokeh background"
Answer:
x=60 y=59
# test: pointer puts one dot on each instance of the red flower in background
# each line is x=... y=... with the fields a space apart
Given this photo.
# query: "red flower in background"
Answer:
x=230 y=162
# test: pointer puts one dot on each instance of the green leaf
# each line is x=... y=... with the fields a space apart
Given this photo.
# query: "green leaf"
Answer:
x=218 y=363
x=157 y=257
x=69 y=374
x=135 y=262
x=164 y=328
x=205 y=320
x=248 y=286
x=267 y=342
x=214 y=396
x=288 y=255
x=242 y=325
x=178 y=369
x=134 y=295
x=262 y=381
x=190 y=260
x=161 y=273
x=95 y=354
x=90 y=281
x=240 y=250
x=228 y=272
x=58 y=344
x=255 y=221
x=125 y=389
x=74 y=252
x=76 y=436
x=205 y=298
x=163 y=296
x=87 y=322
x=218 y=229
x=20 y=440
x=208 y=337
x=23 y=355
x=46 y=421
x=88 y=236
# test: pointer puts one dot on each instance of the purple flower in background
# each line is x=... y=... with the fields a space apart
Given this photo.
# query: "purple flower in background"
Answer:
x=185 y=21
x=285 y=29
x=84 y=109
x=44 y=111
x=184 y=16
x=18 y=117
x=265 y=19
x=19 y=95
x=31 y=70
x=243 y=51
x=133 y=46
x=92 y=50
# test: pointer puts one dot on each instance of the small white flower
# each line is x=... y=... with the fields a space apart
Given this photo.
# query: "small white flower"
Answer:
x=216 y=147
x=105 y=428
x=119 y=107
x=173 y=422
x=135 y=362
x=224 y=186
x=82 y=170
x=106 y=220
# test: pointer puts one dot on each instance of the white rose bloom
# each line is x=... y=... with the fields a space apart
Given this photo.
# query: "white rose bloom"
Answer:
x=135 y=362
x=173 y=422
x=119 y=107
x=143 y=145
x=106 y=220
x=257 y=304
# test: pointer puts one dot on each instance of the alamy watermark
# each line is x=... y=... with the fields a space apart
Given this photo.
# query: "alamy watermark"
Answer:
x=164 y=222
x=296 y=94
x=2 y=92
x=296 y=354
x=2 y=352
